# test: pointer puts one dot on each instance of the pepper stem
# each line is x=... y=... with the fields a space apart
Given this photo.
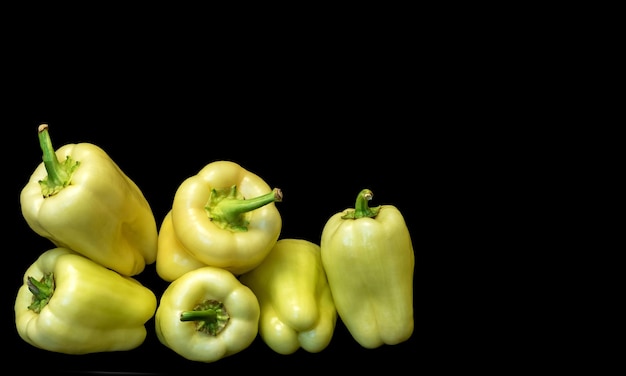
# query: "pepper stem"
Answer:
x=59 y=174
x=228 y=209
x=210 y=317
x=42 y=291
x=361 y=207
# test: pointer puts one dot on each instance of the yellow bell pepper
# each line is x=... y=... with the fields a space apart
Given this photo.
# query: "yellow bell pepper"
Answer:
x=297 y=308
x=225 y=216
x=173 y=260
x=73 y=305
x=207 y=314
x=369 y=261
x=87 y=204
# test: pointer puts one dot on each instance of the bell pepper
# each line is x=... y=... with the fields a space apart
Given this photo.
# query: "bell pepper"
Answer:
x=207 y=314
x=73 y=305
x=225 y=216
x=297 y=308
x=369 y=261
x=172 y=259
x=80 y=199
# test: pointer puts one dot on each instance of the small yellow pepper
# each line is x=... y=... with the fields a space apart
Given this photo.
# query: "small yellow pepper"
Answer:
x=207 y=314
x=173 y=260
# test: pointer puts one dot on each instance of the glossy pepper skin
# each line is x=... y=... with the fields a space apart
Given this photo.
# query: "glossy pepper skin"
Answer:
x=70 y=304
x=173 y=260
x=368 y=257
x=297 y=308
x=80 y=199
x=225 y=216
x=206 y=315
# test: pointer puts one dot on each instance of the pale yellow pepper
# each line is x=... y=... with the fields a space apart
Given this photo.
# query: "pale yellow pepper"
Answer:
x=79 y=198
x=225 y=216
x=369 y=260
x=73 y=305
x=173 y=260
x=297 y=308
x=207 y=314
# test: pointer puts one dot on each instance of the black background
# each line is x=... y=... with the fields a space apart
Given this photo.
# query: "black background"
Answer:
x=448 y=114
x=319 y=115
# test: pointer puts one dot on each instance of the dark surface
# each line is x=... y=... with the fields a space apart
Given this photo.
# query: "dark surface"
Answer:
x=442 y=114
x=429 y=115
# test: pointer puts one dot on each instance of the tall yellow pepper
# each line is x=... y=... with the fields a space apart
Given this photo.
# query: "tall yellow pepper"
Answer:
x=80 y=199
x=369 y=262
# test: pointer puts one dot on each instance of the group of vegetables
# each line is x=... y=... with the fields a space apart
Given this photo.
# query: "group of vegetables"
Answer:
x=230 y=275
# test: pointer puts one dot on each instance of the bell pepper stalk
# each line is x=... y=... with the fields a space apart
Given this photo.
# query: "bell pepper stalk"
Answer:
x=369 y=261
x=80 y=199
x=172 y=259
x=70 y=304
x=207 y=314
x=225 y=216
x=297 y=308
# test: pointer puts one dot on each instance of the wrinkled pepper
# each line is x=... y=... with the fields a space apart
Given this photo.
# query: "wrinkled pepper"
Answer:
x=173 y=260
x=368 y=257
x=73 y=305
x=80 y=199
x=225 y=216
x=297 y=308
x=207 y=314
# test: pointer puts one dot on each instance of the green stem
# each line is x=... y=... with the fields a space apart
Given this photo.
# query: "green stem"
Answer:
x=59 y=174
x=228 y=209
x=56 y=174
x=42 y=291
x=361 y=207
x=210 y=317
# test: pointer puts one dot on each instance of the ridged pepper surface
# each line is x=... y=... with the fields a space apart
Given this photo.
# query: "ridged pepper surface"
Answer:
x=80 y=199
x=368 y=257
x=297 y=308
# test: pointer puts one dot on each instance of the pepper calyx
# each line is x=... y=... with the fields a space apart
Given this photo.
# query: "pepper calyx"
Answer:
x=210 y=317
x=361 y=207
x=42 y=291
x=229 y=210
x=59 y=173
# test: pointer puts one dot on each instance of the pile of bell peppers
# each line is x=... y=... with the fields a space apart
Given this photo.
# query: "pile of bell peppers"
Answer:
x=230 y=275
x=80 y=296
